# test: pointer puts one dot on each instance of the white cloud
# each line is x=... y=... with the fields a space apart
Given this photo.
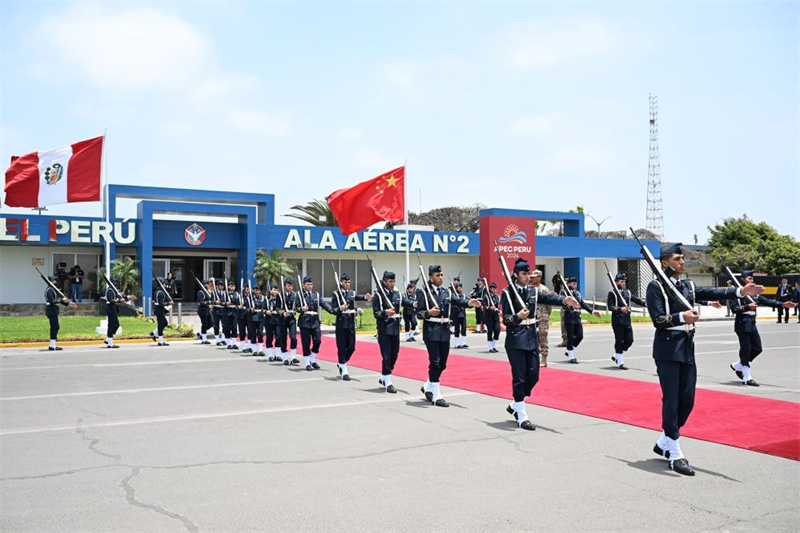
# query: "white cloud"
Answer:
x=132 y=49
x=582 y=159
x=540 y=44
x=216 y=88
x=398 y=75
x=258 y=122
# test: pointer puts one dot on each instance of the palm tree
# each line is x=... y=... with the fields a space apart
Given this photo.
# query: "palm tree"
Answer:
x=316 y=213
x=271 y=267
x=127 y=275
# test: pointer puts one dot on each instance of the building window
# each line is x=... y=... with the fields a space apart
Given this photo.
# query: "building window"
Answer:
x=89 y=263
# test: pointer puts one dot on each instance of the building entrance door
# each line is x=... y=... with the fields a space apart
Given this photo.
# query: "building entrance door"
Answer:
x=216 y=268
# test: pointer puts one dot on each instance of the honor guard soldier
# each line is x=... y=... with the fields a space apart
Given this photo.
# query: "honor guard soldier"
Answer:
x=572 y=319
x=522 y=345
x=218 y=312
x=435 y=304
x=310 y=332
x=479 y=292
x=673 y=346
x=272 y=324
x=255 y=306
x=343 y=303
x=161 y=303
x=205 y=304
x=287 y=330
x=113 y=298
x=744 y=325
x=557 y=288
x=231 y=305
x=491 y=316
x=53 y=298
x=410 y=312
x=386 y=307
x=241 y=319
x=542 y=318
x=459 y=318
x=783 y=294
x=619 y=302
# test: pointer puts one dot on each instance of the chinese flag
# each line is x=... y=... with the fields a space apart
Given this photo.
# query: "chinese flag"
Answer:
x=371 y=201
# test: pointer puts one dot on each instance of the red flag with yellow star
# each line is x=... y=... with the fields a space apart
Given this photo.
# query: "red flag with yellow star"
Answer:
x=371 y=201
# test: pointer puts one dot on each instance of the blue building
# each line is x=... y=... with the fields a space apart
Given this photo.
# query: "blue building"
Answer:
x=217 y=233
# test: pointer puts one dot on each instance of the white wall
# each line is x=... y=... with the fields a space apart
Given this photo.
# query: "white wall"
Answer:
x=597 y=284
x=21 y=283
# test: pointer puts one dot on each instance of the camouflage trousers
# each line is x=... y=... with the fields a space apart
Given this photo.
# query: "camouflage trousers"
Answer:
x=541 y=335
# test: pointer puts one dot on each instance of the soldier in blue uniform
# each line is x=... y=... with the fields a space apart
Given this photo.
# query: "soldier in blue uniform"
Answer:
x=310 y=332
x=287 y=326
x=479 y=292
x=435 y=316
x=459 y=318
x=271 y=322
x=254 y=310
x=621 y=318
x=343 y=303
x=205 y=304
x=572 y=318
x=218 y=311
x=386 y=308
x=491 y=316
x=52 y=300
x=522 y=342
x=744 y=325
x=161 y=301
x=242 y=317
x=673 y=348
x=410 y=312
x=231 y=306
x=113 y=299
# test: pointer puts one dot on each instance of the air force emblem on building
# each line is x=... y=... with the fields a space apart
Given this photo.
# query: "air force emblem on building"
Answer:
x=53 y=175
x=512 y=233
x=195 y=235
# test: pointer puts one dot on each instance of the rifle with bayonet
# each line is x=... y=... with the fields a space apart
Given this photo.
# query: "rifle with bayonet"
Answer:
x=507 y=276
x=386 y=304
x=50 y=284
x=615 y=288
x=430 y=301
x=666 y=284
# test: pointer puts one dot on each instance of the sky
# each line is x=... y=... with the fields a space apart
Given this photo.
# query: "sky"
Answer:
x=539 y=106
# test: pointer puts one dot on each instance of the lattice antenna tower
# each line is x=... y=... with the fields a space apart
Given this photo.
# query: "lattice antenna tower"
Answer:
x=655 y=209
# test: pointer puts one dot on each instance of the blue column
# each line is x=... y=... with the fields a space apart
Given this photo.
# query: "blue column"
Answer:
x=575 y=266
x=144 y=251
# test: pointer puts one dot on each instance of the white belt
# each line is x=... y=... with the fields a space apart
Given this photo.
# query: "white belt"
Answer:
x=752 y=313
x=441 y=320
x=310 y=313
x=348 y=312
x=681 y=328
x=527 y=322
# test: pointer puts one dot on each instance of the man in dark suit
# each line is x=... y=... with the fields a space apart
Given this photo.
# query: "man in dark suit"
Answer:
x=673 y=346
x=783 y=294
x=434 y=305
x=745 y=327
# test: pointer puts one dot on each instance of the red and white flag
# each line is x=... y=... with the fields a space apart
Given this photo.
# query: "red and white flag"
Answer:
x=59 y=176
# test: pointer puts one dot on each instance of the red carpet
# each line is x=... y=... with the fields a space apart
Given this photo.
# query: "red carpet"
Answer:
x=758 y=424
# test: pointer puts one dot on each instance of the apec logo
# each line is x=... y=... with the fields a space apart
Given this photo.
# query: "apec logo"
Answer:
x=513 y=234
x=195 y=234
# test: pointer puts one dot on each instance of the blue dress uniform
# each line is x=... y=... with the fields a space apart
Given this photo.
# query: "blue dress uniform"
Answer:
x=436 y=333
x=204 y=305
x=160 y=302
x=479 y=292
x=230 y=315
x=287 y=325
x=388 y=330
x=783 y=294
x=744 y=326
x=673 y=351
x=410 y=312
x=522 y=342
x=491 y=317
x=345 y=324
x=112 y=315
x=218 y=313
x=255 y=306
x=572 y=321
x=241 y=320
x=310 y=331
x=621 y=322
x=459 y=317
x=271 y=322
x=52 y=301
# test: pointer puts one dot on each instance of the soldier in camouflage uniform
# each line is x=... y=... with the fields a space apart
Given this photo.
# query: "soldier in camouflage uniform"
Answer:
x=543 y=316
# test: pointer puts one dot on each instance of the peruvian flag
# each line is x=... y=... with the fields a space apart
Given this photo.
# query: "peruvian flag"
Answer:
x=360 y=206
x=59 y=176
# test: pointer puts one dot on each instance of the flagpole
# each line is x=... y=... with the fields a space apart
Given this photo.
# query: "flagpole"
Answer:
x=405 y=215
x=104 y=169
